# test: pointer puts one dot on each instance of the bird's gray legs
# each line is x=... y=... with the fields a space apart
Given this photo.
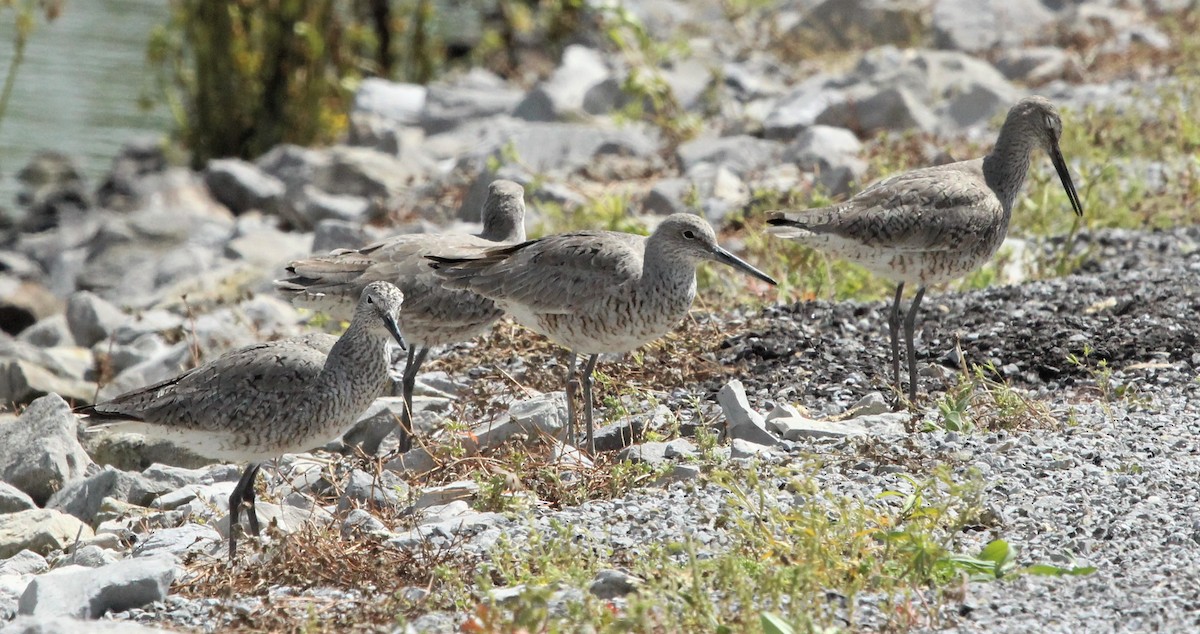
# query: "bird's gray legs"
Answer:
x=416 y=356
x=910 y=322
x=572 y=388
x=587 y=398
x=894 y=331
x=243 y=492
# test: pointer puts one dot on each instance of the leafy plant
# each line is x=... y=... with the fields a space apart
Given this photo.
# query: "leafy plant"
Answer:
x=25 y=22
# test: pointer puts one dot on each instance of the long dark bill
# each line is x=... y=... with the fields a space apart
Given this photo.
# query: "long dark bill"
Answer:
x=725 y=257
x=389 y=322
x=1064 y=175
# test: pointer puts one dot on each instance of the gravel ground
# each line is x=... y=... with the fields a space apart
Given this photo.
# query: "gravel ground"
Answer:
x=1113 y=483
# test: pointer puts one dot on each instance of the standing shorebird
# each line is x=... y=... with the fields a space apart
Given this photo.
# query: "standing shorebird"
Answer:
x=934 y=224
x=595 y=291
x=433 y=315
x=268 y=399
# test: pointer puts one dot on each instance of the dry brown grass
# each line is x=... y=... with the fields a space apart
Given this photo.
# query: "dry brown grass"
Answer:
x=318 y=557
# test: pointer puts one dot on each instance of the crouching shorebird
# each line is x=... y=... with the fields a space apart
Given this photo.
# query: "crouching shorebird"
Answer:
x=595 y=291
x=934 y=224
x=432 y=315
x=268 y=399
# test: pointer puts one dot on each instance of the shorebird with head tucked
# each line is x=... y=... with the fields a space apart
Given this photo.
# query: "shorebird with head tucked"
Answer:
x=934 y=224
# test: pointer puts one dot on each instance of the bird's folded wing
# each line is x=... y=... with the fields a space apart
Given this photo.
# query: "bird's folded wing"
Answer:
x=562 y=273
x=222 y=389
x=915 y=211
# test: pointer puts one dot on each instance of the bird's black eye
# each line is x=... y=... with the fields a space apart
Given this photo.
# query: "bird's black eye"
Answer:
x=689 y=234
x=369 y=300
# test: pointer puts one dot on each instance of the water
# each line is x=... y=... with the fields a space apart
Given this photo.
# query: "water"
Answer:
x=77 y=90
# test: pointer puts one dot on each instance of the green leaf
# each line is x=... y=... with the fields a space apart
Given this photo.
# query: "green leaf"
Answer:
x=774 y=624
x=1048 y=570
x=997 y=551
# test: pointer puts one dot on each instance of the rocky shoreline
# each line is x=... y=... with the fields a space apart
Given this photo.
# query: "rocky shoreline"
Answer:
x=109 y=287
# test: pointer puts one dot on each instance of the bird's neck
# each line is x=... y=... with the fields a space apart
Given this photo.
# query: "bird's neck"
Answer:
x=668 y=276
x=1005 y=168
x=360 y=356
x=502 y=230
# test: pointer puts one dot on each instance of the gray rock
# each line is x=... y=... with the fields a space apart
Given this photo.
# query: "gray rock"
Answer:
x=562 y=95
x=744 y=449
x=557 y=148
x=51 y=331
x=179 y=541
x=294 y=165
x=67 y=625
x=387 y=491
x=381 y=419
x=479 y=96
x=366 y=173
x=24 y=303
x=892 y=108
x=394 y=102
x=651 y=453
x=22 y=381
x=25 y=562
x=979 y=25
x=802 y=105
x=286 y=518
x=741 y=153
x=360 y=521
x=754 y=434
x=875 y=424
x=39 y=530
x=833 y=153
x=618 y=435
x=445 y=494
x=41 y=452
x=668 y=196
x=679 y=473
x=264 y=247
x=13 y=499
x=92 y=319
x=242 y=186
x=90 y=556
x=337 y=234
x=173 y=478
x=719 y=189
x=1038 y=64
x=871 y=404
x=314 y=205
x=83 y=497
x=610 y=584
x=846 y=24
x=88 y=593
x=689 y=79
x=735 y=406
x=678 y=449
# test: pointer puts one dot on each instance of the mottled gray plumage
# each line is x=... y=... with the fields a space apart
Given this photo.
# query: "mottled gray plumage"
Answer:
x=432 y=315
x=595 y=291
x=934 y=224
x=270 y=398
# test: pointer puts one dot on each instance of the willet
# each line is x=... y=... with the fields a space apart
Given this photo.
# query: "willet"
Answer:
x=934 y=224
x=268 y=399
x=595 y=291
x=432 y=315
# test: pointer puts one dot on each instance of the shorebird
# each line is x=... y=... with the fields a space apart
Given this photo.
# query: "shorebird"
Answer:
x=432 y=315
x=267 y=399
x=934 y=224
x=593 y=292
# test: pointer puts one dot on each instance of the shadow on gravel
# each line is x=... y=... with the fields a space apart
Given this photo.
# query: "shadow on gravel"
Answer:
x=1136 y=306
